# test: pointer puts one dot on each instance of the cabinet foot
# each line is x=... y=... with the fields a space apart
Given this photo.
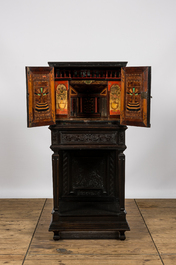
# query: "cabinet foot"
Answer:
x=122 y=235
x=56 y=236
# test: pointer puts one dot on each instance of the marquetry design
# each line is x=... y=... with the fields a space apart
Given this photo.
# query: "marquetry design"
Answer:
x=135 y=96
x=61 y=97
x=41 y=105
x=40 y=96
x=114 y=97
x=73 y=92
x=104 y=92
x=133 y=104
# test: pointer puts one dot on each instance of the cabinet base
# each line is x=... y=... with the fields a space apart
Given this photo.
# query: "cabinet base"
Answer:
x=89 y=235
x=89 y=227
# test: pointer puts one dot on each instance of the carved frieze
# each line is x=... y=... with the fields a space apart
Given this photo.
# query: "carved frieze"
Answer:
x=89 y=138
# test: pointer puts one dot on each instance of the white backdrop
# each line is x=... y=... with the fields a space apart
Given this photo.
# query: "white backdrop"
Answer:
x=33 y=32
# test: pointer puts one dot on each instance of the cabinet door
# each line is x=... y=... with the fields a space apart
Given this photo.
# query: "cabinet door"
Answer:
x=135 y=96
x=40 y=96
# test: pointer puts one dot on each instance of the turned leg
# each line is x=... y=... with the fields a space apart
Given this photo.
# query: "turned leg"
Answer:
x=122 y=235
x=56 y=235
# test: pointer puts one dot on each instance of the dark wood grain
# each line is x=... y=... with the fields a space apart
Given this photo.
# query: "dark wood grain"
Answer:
x=81 y=103
x=88 y=182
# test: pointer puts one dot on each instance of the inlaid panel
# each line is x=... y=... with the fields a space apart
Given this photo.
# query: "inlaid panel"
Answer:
x=114 y=88
x=40 y=96
x=135 y=96
x=61 y=88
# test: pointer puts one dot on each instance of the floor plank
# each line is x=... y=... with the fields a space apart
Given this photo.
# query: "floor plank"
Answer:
x=106 y=261
x=154 y=231
x=11 y=259
x=138 y=248
x=160 y=218
x=169 y=259
x=18 y=219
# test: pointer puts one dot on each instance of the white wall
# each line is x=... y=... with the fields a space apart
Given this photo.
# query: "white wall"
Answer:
x=33 y=32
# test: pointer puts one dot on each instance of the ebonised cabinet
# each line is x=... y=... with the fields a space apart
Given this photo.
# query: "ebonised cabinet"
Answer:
x=88 y=105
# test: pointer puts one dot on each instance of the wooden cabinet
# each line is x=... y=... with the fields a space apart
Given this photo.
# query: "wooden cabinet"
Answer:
x=88 y=106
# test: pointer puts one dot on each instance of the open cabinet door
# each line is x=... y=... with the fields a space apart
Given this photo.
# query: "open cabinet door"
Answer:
x=40 y=96
x=135 y=96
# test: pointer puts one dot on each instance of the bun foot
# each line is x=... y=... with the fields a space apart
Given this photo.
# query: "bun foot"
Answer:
x=56 y=236
x=122 y=235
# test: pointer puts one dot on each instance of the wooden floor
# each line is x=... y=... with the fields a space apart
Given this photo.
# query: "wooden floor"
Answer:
x=24 y=236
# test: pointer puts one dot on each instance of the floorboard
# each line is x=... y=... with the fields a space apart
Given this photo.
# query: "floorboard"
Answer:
x=18 y=219
x=138 y=248
x=160 y=218
x=25 y=240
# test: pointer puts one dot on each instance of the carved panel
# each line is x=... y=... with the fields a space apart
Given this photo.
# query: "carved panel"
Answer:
x=89 y=138
x=86 y=173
